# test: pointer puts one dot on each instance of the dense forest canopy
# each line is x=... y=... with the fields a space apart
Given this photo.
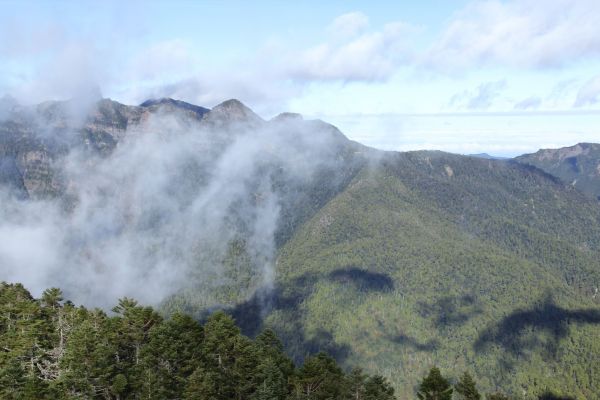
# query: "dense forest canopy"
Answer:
x=52 y=349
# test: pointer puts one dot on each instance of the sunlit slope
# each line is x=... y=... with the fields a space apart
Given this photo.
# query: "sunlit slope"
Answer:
x=577 y=165
x=470 y=264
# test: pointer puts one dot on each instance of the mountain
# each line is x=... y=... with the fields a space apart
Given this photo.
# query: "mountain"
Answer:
x=394 y=261
x=487 y=156
x=171 y=105
x=577 y=165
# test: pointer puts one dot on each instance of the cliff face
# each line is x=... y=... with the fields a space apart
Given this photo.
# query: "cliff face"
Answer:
x=33 y=139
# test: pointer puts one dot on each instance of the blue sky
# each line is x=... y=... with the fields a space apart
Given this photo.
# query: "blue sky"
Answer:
x=503 y=77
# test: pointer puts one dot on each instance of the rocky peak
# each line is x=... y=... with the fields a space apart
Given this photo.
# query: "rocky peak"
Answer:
x=233 y=110
x=171 y=104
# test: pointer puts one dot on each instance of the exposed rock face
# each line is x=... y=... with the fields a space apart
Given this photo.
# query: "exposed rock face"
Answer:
x=34 y=138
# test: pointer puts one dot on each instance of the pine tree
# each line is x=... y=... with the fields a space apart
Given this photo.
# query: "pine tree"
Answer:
x=272 y=383
x=208 y=384
x=378 y=388
x=356 y=384
x=435 y=387
x=466 y=388
x=91 y=359
x=171 y=355
x=320 y=378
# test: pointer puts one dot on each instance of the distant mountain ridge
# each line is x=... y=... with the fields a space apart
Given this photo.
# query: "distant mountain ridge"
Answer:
x=488 y=157
x=577 y=165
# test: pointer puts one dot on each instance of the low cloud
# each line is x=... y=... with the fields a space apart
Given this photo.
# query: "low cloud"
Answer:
x=176 y=205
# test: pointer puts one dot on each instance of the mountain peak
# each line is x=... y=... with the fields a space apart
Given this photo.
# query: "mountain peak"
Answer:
x=233 y=105
x=172 y=103
x=234 y=110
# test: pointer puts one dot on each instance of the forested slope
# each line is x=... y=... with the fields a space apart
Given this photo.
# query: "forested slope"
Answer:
x=430 y=258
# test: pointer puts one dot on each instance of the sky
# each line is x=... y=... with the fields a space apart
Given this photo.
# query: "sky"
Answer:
x=502 y=77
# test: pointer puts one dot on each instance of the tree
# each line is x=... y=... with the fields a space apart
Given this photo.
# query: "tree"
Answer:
x=435 y=387
x=356 y=384
x=378 y=388
x=171 y=355
x=229 y=357
x=466 y=388
x=272 y=384
x=320 y=378
x=208 y=384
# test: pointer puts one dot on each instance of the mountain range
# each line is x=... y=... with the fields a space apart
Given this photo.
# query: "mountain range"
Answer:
x=392 y=260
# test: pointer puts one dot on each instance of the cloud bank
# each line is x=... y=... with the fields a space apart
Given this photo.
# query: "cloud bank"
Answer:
x=177 y=204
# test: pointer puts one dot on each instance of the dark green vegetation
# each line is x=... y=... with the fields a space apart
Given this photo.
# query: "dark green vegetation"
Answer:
x=50 y=349
x=395 y=261
x=577 y=165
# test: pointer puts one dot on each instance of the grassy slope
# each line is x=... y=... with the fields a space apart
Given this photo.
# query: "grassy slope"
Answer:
x=466 y=263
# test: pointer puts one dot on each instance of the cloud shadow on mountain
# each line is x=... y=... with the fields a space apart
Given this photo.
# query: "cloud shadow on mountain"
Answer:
x=250 y=317
x=451 y=310
x=540 y=327
x=363 y=280
x=410 y=341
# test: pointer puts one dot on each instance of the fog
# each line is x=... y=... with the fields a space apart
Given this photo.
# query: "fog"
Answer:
x=177 y=203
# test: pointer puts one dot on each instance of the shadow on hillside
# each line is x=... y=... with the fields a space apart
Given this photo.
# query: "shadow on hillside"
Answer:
x=363 y=280
x=286 y=302
x=405 y=340
x=552 y=396
x=451 y=310
x=541 y=327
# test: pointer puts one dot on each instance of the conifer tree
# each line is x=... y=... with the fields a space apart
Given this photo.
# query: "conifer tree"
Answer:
x=171 y=355
x=466 y=388
x=320 y=378
x=435 y=387
x=378 y=388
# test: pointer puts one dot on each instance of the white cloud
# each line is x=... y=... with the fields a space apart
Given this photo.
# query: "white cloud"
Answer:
x=479 y=99
x=349 y=25
x=530 y=103
x=523 y=33
x=589 y=93
x=370 y=56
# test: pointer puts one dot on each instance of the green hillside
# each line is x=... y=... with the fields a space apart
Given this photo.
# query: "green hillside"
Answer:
x=577 y=165
x=431 y=258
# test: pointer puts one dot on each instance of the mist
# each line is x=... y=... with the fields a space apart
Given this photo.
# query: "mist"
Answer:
x=174 y=201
